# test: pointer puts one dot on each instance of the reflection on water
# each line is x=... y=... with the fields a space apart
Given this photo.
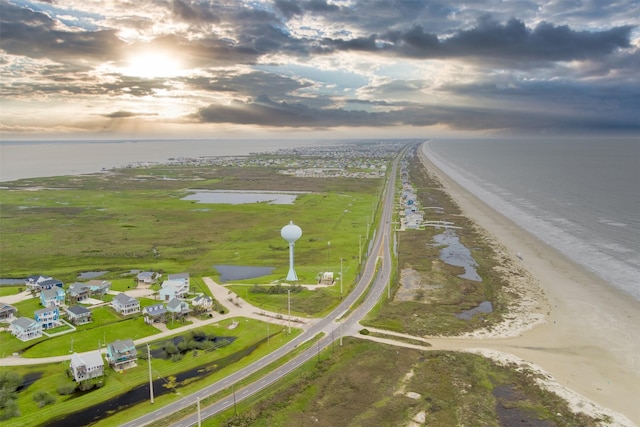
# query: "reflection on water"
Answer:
x=483 y=307
x=241 y=197
x=91 y=274
x=455 y=253
x=241 y=272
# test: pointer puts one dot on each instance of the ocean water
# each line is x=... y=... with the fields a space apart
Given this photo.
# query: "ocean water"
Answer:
x=579 y=195
x=31 y=159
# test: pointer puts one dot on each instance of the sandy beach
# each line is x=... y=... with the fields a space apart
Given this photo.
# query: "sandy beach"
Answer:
x=580 y=330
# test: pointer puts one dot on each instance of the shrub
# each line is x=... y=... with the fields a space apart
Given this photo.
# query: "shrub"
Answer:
x=42 y=398
x=66 y=389
x=364 y=331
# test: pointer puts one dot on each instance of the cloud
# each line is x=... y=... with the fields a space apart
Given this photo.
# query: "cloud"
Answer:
x=125 y=115
x=511 y=42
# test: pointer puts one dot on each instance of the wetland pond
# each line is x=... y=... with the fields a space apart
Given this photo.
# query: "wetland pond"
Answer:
x=453 y=252
x=238 y=197
x=241 y=272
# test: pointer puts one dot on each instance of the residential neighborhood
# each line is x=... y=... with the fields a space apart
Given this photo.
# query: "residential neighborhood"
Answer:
x=65 y=308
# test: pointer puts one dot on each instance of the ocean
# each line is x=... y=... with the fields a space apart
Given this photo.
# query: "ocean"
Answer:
x=578 y=195
x=31 y=159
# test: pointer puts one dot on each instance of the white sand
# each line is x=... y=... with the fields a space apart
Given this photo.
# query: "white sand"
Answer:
x=585 y=334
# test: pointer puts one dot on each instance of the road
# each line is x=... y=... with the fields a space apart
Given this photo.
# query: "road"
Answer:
x=376 y=272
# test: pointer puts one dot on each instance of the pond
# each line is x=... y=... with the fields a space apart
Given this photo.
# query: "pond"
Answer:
x=455 y=253
x=241 y=272
x=8 y=282
x=483 y=307
x=241 y=197
x=90 y=275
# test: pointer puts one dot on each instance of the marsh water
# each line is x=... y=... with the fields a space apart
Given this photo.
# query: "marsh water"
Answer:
x=240 y=197
x=241 y=272
x=455 y=253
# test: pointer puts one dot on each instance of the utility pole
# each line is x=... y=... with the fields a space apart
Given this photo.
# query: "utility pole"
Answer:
x=360 y=249
x=199 y=418
x=328 y=254
x=150 y=377
x=341 y=259
x=289 y=308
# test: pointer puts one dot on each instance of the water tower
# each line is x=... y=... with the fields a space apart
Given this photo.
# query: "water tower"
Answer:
x=291 y=233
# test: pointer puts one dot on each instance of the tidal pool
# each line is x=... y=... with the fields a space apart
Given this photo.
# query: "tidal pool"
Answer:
x=483 y=307
x=455 y=253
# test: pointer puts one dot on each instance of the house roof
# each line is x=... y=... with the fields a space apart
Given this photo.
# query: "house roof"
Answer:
x=123 y=347
x=123 y=298
x=24 y=322
x=78 y=310
x=50 y=282
x=155 y=309
x=90 y=359
x=51 y=293
x=202 y=298
x=175 y=304
x=145 y=274
x=46 y=309
x=6 y=307
x=77 y=287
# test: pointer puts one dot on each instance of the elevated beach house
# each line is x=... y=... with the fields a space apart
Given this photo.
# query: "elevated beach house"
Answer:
x=54 y=296
x=155 y=313
x=7 y=312
x=202 y=303
x=178 y=308
x=172 y=289
x=147 y=278
x=79 y=315
x=77 y=292
x=48 y=317
x=122 y=354
x=26 y=329
x=86 y=366
x=125 y=305
x=39 y=283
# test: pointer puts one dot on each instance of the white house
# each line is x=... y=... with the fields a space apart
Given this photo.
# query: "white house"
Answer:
x=86 y=366
x=125 y=305
x=26 y=329
x=147 y=277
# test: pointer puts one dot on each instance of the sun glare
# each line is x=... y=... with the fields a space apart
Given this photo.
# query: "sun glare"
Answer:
x=153 y=64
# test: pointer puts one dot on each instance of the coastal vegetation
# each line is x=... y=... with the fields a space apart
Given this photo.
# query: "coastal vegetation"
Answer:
x=432 y=388
x=135 y=219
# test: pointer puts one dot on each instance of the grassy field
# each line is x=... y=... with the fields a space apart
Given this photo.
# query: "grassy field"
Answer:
x=368 y=384
x=250 y=334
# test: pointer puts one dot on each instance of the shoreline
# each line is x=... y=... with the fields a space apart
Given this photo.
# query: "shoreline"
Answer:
x=588 y=341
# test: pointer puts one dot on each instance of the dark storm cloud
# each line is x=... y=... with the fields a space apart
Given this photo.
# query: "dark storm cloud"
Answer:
x=512 y=41
x=194 y=12
x=264 y=112
x=268 y=84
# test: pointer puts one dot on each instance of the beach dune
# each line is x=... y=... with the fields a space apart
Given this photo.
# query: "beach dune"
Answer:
x=589 y=338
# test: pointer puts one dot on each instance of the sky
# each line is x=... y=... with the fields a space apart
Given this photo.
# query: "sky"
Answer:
x=82 y=69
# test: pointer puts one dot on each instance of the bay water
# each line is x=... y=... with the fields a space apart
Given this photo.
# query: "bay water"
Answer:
x=578 y=195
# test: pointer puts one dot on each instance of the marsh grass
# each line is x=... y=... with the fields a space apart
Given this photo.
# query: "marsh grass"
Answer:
x=365 y=383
